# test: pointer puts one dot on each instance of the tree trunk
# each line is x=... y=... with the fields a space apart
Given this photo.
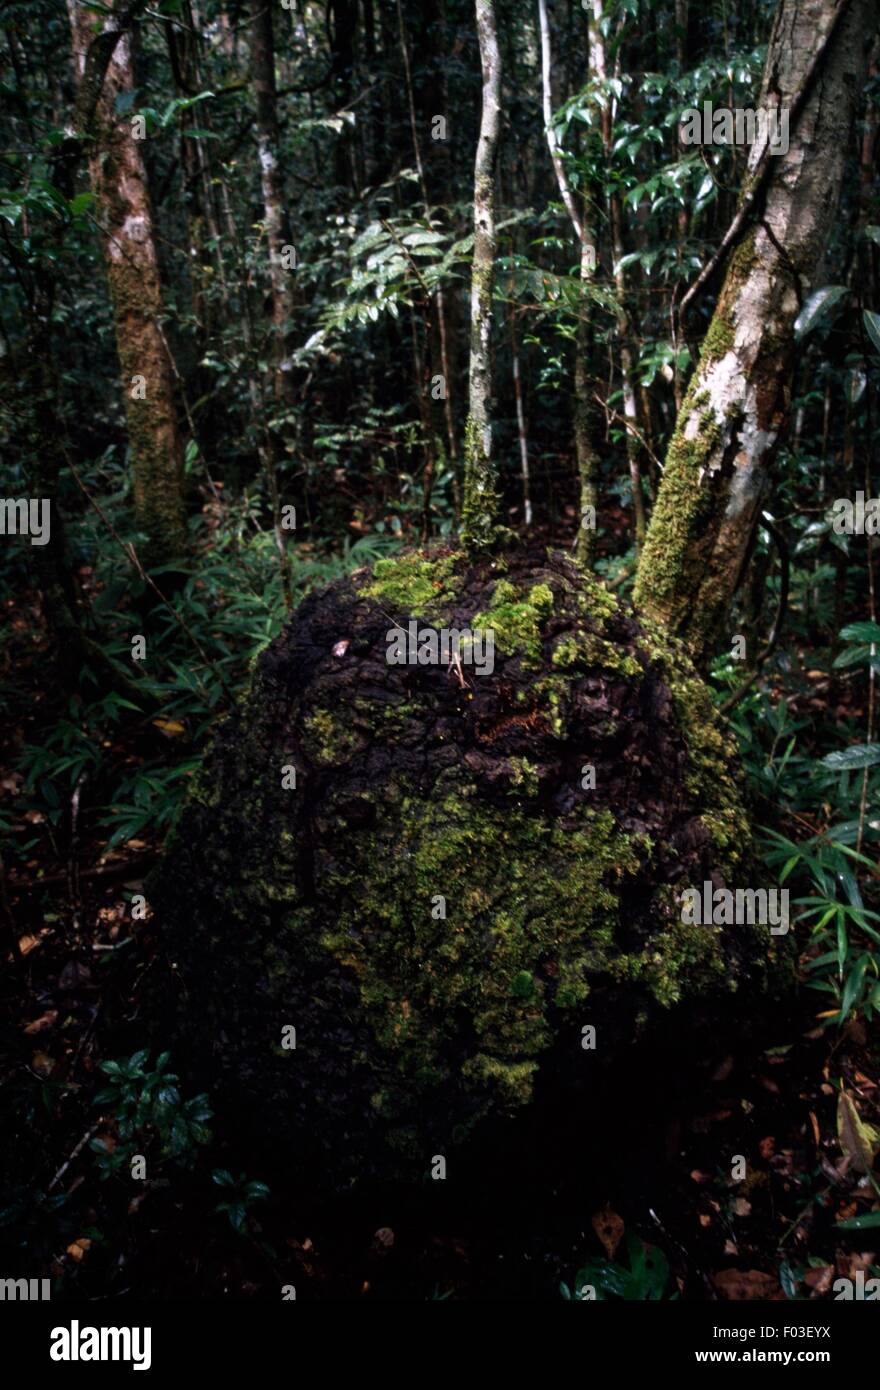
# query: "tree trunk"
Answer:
x=587 y=458
x=480 y=493
x=718 y=463
x=119 y=182
x=272 y=187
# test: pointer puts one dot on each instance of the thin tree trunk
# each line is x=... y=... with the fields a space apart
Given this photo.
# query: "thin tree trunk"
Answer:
x=599 y=67
x=480 y=497
x=272 y=187
x=520 y=423
x=280 y=276
x=587 y=458
x=718 y=464
x=119 y=182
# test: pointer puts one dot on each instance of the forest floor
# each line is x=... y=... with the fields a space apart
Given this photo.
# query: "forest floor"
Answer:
x=633 y=1197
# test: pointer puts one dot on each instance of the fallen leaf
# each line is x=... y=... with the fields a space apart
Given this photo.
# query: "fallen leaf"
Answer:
x=724 y=1070
x=819 y=1280
x=383 y=1239
x=171 y=728
x=741 y=1207
x=740 y=1285
x=78 y=1248
x=43 y=1064
x=860 y=1142
x=44 y=1021
x=609 y=1228
x=73 y=975
x=27 y=943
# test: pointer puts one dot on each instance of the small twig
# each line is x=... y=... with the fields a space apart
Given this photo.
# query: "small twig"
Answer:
x=120 y=870
x=76 y=1152
x=610 y=412
x=73 y=890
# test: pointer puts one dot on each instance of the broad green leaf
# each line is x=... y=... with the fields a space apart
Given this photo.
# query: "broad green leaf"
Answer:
x=819 y=302
x=872 y=324
x=859 y=755
x=861 y=632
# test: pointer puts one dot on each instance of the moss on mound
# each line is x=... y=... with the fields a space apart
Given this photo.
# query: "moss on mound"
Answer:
x=447 y=894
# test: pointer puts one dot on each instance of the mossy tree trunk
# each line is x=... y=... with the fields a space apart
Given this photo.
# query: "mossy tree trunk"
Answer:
x=119 y=182
x=718 y=464
x=480 y=494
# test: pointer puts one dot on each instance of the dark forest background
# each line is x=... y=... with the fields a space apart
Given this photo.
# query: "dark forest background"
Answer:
x=302 y=288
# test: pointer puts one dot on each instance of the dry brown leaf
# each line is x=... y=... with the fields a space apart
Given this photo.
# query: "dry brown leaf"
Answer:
x=609 y=1228
x=78 y=1248
x=44 y=1021
x=27 y=943
x=741 y=1286
x=171 y=728
x=860 y=1142
x=819 y=1280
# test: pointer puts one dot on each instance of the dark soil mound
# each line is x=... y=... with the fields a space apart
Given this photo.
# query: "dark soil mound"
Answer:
x=447 y=896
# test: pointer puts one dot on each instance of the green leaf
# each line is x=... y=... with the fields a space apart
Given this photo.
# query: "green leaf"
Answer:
x=852 y=656
x=819 y=302
x=857 y=756
x=861 y=632
x=859 y=1223
x=872 y=324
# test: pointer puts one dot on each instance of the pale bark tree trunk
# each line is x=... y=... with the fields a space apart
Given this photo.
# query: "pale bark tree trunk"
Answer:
x=480 y=496
x=277 y=239
x=272 y=188
x=119 y=182
x=587 y=458
x=599 y=68
x=718 y=464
